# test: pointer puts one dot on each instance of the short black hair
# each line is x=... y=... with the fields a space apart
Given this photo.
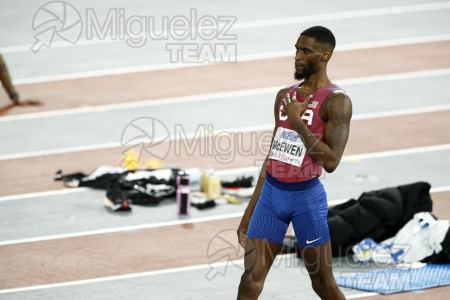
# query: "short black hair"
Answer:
x=321 y=35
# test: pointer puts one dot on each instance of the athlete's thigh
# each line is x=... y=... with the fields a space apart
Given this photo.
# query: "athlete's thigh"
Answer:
x=310 y=217
x=318 y=260
x=311 y=227
x=268 y=221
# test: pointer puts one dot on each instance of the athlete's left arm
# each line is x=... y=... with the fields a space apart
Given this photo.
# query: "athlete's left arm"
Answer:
x=329 y=152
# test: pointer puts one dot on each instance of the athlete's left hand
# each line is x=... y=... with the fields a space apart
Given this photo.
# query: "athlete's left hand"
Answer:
x=295 y=109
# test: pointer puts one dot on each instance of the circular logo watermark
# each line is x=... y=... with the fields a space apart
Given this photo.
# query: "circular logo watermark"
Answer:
x=223 y=249
x=145 y=136
x=56 y=18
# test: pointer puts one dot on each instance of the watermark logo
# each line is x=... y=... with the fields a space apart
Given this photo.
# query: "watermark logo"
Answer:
x=143 y=136
x=148 y=136
x=190 y=38
x=56 y=18
x=223 y=249
x=386 y=281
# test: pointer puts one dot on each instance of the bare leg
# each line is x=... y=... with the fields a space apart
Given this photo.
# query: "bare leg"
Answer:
x=5 y=78
x=319 y=265
x=259 y=256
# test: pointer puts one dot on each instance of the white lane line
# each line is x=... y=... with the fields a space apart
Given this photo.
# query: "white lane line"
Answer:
x=265 y=127
x=212 y=266
x=351 y=46
x=133 y=228
x=221 y=173
x=406 y=151
x=247 y=170
x=146 y=103
x=44 y=194
x=440 y=189
x=66 y=150
x=395 y=10
x=396 y=76
x=240 y=58
x=212 y=96
x=123 y=277
x=401 y=112
x=363 y=295
x=346 y=15
x=135 y=142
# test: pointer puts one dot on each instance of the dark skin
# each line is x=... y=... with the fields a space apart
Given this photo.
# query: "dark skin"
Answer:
x=310 y=63
x=5 y=79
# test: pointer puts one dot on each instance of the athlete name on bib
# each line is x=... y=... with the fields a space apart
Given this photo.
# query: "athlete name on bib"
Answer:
x=287 y=147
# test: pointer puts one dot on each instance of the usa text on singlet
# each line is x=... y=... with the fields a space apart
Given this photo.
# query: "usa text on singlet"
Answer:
x=289 y=160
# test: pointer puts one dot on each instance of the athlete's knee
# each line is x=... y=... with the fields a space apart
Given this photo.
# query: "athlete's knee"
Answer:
x=319 y=283
x=251 y=285
x=323 y=284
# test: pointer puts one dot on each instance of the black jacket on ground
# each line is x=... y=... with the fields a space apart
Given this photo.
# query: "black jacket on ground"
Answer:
x=378 y=214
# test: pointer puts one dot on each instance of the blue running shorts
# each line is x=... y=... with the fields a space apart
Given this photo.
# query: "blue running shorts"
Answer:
x=302 y=203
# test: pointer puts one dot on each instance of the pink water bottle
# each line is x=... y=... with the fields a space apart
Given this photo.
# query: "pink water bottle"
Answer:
x=183 y=194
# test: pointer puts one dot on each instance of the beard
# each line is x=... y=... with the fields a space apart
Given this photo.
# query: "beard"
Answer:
x=299 y=76
x=306 y=71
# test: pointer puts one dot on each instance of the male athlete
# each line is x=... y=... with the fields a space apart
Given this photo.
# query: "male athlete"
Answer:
x=312 y=123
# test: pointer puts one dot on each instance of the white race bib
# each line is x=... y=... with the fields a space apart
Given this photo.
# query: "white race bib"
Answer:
x=287 y=147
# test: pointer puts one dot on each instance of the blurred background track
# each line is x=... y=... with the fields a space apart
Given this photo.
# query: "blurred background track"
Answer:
x=60 y=243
